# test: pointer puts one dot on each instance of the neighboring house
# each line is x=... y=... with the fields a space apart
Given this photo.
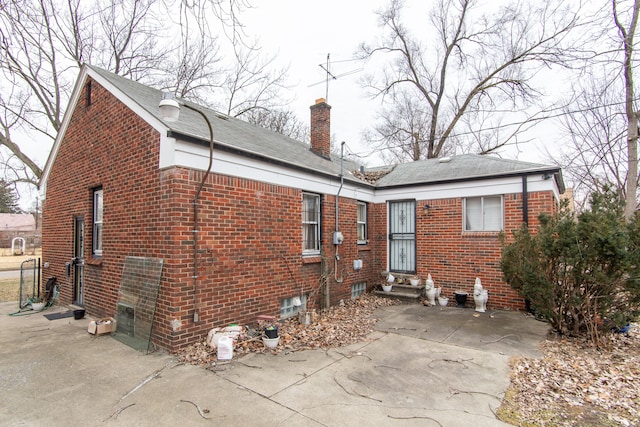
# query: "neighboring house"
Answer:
x=17 y=232
x=121 y=181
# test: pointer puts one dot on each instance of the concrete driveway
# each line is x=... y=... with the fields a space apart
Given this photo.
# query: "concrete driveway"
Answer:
x=423 y=366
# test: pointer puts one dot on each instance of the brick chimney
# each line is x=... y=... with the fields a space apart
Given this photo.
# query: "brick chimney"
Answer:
x=321 y=128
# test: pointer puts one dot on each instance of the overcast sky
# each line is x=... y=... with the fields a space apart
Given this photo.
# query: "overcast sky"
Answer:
x=302 y=34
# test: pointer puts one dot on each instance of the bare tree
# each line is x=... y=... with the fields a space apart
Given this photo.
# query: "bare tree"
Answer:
x=253 y=83
x=401 y=131
x=627 y=34
x=593 y=153
x=474 y=64
x=600 y=123
x=284 y=122
x=43 y=43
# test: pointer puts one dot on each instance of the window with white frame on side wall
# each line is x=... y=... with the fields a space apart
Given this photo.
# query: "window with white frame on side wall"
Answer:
x=362 y=223
x=310 y=224
x=484 y=213
x=97 y=222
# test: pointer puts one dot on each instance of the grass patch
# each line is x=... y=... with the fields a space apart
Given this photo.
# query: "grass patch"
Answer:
x=509 y=413
x=9 y=290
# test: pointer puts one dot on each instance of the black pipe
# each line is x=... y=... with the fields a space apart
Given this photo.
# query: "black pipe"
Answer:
x=525 y=200
x=195 y=215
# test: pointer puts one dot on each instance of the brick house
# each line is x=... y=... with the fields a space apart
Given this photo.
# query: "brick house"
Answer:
x=121 y=181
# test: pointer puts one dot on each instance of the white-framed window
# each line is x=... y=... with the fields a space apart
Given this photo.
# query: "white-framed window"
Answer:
x=290 y=306
x=358 y=289
x=310 y=224
x=97 y=222
x=483 y=213
x=362 y=223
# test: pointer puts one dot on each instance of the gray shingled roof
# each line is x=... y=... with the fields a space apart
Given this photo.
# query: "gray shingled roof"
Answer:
x=256 y=141
x=459 y=168
x=231 y=132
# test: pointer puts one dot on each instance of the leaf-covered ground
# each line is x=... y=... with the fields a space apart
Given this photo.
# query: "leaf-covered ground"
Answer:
x=576 y=384
x=339 y=326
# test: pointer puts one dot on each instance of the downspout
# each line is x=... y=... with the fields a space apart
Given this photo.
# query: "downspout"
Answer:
x=525 y=200
x=195 y=215
x=337 y=257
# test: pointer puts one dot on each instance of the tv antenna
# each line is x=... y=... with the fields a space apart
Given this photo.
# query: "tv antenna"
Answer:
x=330 y=76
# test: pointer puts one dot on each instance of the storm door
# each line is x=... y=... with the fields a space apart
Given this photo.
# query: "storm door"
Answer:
x=402 y=236
x=78 y=261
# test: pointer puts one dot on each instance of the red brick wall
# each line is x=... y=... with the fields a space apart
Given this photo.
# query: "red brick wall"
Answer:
x=249 y=239
x=105 y=146
x=455 y=258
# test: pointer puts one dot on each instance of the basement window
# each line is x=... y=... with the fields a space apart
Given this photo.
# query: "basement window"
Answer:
x=358 y=289
x=288 y=307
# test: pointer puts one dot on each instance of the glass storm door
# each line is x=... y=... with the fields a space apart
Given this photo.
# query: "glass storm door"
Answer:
x=402 y=236
x=78 y=261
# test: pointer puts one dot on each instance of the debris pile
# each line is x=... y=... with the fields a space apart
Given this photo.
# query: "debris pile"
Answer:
x=338 y=326
x=371 y=176
x=577 y=384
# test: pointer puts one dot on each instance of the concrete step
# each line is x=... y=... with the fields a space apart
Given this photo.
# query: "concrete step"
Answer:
x=406 y=294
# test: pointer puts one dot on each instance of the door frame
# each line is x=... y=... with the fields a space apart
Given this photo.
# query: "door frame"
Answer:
x=407 y=235
x=78 y=260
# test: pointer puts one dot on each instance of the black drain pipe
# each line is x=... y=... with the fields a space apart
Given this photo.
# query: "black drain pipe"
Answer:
x=525 y=200
x=195 y=215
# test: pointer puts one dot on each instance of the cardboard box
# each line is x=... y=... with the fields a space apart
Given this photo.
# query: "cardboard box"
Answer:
x=103 y=326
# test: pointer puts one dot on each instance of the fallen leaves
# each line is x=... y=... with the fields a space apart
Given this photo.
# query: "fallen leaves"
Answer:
x=576 y=384
x=338 y=326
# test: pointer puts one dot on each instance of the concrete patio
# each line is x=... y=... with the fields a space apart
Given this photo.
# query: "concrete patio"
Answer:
x=422 y=366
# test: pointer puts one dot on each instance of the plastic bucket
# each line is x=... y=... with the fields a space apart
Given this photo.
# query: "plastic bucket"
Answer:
x=225 y=348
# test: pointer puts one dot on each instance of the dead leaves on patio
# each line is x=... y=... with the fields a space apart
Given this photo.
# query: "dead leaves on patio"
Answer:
x=348 y=323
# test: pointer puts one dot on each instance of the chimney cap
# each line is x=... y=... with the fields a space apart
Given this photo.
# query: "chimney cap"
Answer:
x=321 y=101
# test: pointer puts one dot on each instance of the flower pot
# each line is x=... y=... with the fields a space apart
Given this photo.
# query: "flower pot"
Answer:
x=270 y=342
x=78 y=314
x=387 y=288
x=271 y=332
x=37 y=306
x=443 y=301
x=414 y=282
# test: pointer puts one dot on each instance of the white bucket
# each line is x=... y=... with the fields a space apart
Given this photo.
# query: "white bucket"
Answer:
x=225 y=348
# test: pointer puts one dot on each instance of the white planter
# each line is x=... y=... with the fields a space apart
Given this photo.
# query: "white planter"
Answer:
x=443 y=301
x=37 y=306
x=414 y=282
x=270 y=342
x=387 y=288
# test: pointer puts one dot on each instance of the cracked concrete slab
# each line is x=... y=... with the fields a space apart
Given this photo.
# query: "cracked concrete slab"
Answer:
x=422 y=366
